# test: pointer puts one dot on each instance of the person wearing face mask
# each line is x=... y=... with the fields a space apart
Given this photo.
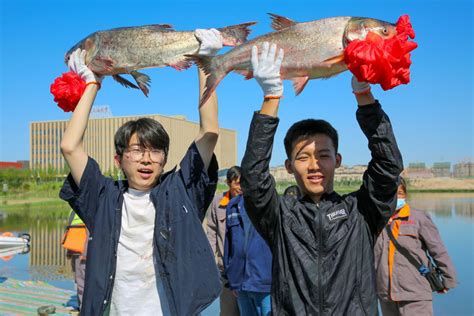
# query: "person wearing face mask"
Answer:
x=401 y=288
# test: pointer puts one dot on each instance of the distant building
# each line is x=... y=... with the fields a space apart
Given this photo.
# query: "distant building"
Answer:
x=463 y=170
x=21 y=164
x=280 y=174
x=418 y=170
x=344 y=173
x=45 y=139
x=441 y=169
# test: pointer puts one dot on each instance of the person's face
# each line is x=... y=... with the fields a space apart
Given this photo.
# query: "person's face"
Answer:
x=313 y=163
x=234 y=187
x=141 y=166
x=401 y=194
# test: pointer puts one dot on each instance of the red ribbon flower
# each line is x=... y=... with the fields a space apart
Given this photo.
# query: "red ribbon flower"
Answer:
x=67 y=90
x=383 y=61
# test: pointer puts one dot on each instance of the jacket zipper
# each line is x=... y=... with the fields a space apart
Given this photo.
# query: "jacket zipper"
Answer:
x=319 y=260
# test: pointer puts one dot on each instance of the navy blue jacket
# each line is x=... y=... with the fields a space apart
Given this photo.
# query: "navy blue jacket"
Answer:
x=184 y=258
x=247 y=257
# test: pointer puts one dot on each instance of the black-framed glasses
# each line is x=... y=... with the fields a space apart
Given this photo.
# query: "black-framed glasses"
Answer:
x=137 y=154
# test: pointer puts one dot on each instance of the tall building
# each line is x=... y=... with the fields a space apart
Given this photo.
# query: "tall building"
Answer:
x=418 y=170
x=45 y=140
x=463 y=170
x=441 y=169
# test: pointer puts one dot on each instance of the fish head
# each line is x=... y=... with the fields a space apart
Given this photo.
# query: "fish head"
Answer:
x=358 y=28
x=90 y=44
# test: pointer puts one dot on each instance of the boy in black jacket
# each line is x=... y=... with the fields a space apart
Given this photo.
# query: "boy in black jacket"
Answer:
x=322 y=243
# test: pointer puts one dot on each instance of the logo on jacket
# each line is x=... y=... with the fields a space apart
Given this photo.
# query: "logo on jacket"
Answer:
x=337 y=214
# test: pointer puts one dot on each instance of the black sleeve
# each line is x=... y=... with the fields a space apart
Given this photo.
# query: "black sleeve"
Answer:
x=258 y=186
x=200 y=184
x=377 y=196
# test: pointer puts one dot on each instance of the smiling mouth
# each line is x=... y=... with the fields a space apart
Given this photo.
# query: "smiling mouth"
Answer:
x=315 y=179
x=145 y=171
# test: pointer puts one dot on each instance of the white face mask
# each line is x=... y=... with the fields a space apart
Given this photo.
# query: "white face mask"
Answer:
x=400 y=203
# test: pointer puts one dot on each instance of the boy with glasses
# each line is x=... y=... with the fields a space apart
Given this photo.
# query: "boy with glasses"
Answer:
x=147 y=252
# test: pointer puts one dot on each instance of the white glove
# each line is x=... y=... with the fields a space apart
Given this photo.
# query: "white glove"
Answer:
x=77 y=64
x=359 y=87
x=211 y=41
x=266 y=69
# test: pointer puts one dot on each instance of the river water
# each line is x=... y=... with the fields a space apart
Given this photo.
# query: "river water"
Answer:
x=453 y=214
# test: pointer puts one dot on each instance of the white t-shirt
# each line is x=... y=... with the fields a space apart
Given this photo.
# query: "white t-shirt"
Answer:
x=135 y=290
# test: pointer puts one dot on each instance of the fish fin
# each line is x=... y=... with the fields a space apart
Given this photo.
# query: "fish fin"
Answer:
x=142 y=80
x=235 y=34
x=215 y=73
x=162 y=26
x=334 y=60
x=124 y=82
x=182 y=64
x=101 y=64
x=299 y=83
x=246 y=73
x=280 y=22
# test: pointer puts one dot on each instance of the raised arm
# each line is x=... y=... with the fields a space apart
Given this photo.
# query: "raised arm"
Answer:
x=72 y=146
x=377 y=197
x=206 y=140
x=258 y=186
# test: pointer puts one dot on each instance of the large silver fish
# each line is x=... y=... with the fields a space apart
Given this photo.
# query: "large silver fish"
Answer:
x=127 y=49
x=312 y=49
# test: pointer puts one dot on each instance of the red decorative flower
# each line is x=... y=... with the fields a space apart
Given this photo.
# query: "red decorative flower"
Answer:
x=67 y=90
x=383 y=61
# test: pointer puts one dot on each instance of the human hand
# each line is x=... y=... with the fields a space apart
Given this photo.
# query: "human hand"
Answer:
x=211 y=41
x=77 y=64
x=359 y=87
x=266 y=69
x=235 y=293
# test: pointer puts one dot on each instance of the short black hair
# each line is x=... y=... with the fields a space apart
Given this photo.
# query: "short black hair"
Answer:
x=305 y=129
x=150 y=133
x=233 y=173
x=292 y=190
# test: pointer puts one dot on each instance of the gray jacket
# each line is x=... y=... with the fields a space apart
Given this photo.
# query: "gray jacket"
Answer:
x=417 y=234
x=216 y=228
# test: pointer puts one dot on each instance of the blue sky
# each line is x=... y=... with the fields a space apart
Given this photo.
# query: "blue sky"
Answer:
x=432 y=116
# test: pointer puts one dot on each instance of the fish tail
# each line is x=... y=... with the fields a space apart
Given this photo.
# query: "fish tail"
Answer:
x=215 y=72
x=235 y=34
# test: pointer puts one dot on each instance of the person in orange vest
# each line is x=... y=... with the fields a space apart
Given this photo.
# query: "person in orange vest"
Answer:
x=216 y=219
x=402 y=287
x=75 y=242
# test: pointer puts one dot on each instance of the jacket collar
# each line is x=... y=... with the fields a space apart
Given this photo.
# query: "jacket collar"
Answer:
x=404 y=212
x=333 y=197
x=225 y=199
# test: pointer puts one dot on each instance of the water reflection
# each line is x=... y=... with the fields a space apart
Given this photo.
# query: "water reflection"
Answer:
x=451 y=212
x=444 y=204
x=47 y=257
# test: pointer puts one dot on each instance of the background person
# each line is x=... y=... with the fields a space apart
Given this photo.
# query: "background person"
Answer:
x=247 y=262
x=292 y=190
x=216 y=223
x=401 y=288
